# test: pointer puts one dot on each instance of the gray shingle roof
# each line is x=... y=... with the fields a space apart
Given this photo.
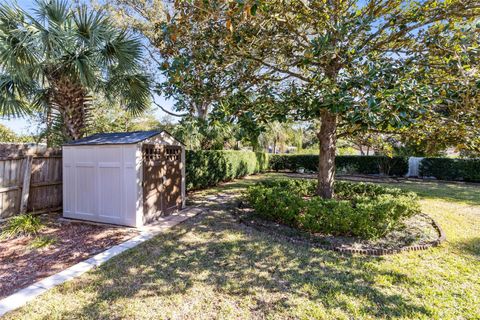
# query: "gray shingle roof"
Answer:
x=115 y=138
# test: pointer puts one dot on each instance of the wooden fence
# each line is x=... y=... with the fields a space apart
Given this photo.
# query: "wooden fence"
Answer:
x=30 y=181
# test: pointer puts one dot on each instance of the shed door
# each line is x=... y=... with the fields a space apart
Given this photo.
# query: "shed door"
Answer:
x=153 y=173
x=172 y=198
x=162 y=178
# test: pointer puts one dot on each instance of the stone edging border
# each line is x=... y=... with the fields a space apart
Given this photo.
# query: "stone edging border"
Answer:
x=22 y=296
x=370 y=252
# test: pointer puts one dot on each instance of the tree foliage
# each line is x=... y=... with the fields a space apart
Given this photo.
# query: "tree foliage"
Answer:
x=54 y=59
x=189 y=65
x=353 y=66
x=7 y=135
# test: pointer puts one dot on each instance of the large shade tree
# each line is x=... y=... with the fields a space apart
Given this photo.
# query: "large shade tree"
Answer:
x=54 y=58
x=189 y=64
x=350 y=65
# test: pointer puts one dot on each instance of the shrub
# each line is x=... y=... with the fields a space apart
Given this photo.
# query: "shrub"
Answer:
x=25 y=224
x=395 y=166
x=451 y=169
x=209 y=167
x=361 y=209
x=301 y=187
x=293 y=162
x=286 y=204
x=348 y=190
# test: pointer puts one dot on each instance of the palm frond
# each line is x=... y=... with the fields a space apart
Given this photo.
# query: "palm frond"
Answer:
x=81 y=67
x=121 y=52
x=18 y=52
x=133 y=91
x=91 y=26
x=50 y=51
x=14 y=97
x=52 y=11
x=54 y=131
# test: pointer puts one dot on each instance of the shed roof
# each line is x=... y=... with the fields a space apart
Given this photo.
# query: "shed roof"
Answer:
x=115 y=138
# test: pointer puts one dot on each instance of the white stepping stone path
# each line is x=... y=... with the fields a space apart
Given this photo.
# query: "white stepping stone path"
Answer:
x=21 y=297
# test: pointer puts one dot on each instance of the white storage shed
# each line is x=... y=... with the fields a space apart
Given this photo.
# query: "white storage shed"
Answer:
x=124 y=178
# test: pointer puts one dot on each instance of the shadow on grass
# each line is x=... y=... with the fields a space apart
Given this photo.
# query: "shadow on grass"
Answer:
x=239 y=262
x=469 y=194
x=237 y=185
x=471 y=246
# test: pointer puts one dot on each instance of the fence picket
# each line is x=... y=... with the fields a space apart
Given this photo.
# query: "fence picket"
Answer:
x=44 y=181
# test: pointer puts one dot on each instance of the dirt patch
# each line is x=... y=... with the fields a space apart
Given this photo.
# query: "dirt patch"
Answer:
x=64 y=244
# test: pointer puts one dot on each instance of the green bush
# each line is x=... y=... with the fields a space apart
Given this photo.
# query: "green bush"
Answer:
x=395 y=166
x=302 y=187
x=360 y=209
x=25 y=224
x=209 y=167
x=451 y=169
x=294 y=162
x=348 y=190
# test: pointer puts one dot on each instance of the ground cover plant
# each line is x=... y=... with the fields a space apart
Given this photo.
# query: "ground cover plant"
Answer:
x=359 y=209
x=24 y=224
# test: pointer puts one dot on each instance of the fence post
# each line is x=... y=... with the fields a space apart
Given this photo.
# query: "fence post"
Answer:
x=26 y=184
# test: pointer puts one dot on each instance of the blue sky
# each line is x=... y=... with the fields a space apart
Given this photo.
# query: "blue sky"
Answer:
x=22 y=126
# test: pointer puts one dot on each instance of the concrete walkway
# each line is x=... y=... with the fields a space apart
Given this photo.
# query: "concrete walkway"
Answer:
x=21 y=297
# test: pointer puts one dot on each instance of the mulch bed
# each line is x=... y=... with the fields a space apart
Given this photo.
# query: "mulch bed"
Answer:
x=418 y=233
x=22 y=265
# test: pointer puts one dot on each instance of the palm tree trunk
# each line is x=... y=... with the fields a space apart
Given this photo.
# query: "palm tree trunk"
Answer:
x=327 y=137
x=71 y=101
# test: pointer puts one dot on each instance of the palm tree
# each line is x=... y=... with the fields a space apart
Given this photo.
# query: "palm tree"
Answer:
x=53 y=59
x=276 y=133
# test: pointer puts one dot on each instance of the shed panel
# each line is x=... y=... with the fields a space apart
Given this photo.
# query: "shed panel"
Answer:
x=85 y=188
x=100 y=183
x=110 y=186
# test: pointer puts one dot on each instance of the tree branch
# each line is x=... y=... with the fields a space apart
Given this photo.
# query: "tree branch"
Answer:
x=168 y=112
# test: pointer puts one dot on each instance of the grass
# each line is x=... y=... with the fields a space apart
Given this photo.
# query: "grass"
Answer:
x=212 y=267
x=451 y=192
x=24 y=224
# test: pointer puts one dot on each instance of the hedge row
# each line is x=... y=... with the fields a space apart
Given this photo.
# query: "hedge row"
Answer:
x=395 y=166
x=451 y=169
x=209 y=167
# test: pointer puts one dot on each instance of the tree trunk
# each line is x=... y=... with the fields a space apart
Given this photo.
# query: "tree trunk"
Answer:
x=361 y=150
x=327 y=137
x=71 y=100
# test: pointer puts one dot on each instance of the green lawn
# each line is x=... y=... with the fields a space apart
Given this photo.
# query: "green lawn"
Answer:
x=212 y=267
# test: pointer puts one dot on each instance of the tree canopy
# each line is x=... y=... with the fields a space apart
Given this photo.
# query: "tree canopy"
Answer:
x=53 y=59
x=377 y=65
